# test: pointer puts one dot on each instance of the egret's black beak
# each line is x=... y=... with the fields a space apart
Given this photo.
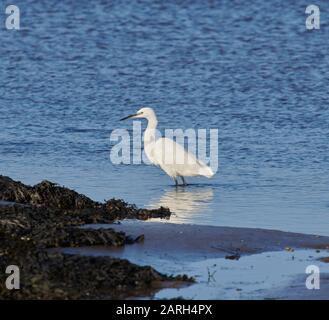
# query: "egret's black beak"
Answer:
x=130 y=116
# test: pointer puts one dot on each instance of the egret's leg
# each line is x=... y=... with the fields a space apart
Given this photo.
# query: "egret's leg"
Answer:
x=176 y=182
x=183 y=180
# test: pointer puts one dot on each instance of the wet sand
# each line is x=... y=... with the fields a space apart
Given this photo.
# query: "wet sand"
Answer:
x=198 y=250
x=194 y=242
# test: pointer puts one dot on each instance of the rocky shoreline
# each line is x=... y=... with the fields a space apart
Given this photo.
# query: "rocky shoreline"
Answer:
x=34 y=219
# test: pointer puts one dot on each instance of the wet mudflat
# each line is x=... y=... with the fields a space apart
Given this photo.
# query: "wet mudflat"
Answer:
x=227 y=263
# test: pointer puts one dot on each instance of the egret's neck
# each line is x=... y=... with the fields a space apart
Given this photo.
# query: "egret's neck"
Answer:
x=149 y=134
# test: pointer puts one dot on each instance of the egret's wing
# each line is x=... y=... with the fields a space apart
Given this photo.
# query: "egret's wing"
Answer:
x=169 y=152
x=175 y=160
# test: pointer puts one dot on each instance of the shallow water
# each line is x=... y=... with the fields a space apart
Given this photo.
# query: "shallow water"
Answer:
x=249 y=69
x=259 y=276
x=253 y=277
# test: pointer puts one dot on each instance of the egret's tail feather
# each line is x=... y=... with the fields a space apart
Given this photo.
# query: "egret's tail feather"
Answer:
x=206 y=171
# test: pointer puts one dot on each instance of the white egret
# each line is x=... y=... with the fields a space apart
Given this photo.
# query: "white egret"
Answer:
x=170 y=156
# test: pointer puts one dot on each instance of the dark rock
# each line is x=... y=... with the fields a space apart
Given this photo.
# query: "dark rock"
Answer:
x=51 y=195
x=46 y=275
x=48 y=216
x=131 y=240
x=233 y=257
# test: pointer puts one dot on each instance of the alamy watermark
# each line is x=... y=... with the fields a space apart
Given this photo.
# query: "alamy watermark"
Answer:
x=313 y=20
x=127 y=146
x=313 y=280
x=13 y=17
x=13 y=279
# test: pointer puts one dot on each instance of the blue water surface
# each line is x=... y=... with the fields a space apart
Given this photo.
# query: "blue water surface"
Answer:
x=250 y=69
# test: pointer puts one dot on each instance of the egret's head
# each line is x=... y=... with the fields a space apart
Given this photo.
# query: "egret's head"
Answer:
x=147 y=113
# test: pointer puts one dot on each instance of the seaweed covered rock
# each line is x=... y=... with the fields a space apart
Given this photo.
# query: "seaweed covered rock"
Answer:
x=121 y=210
x=34 y=219
x=51 y=195
x=45 y=193
x=52 y=275
x=14 y=191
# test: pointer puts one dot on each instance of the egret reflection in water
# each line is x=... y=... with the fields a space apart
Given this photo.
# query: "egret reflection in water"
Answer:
x=183 y=202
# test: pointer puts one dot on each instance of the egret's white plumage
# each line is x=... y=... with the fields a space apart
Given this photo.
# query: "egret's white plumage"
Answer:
x=170 y=156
